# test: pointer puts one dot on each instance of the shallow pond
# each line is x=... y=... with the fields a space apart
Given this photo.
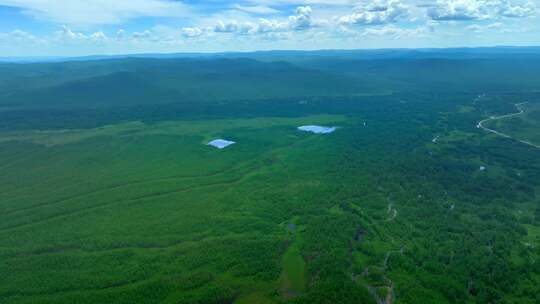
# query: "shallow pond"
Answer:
x=221 y=143
x=317 y=129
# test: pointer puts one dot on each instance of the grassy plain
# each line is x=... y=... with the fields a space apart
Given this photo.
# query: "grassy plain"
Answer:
x=149 y=203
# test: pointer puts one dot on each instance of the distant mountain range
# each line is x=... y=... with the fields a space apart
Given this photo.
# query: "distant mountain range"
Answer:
x=480 y=52
x=210 y=79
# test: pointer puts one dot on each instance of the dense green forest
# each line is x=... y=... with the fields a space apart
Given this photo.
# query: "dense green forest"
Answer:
x=109 y=193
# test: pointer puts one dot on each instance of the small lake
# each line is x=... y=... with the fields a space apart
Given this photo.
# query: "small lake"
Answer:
x=221 y=143
x=317 y=129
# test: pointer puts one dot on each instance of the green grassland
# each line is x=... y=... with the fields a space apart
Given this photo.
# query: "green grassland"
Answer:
x=293 y=281
x=190 y=209
x=129 y=205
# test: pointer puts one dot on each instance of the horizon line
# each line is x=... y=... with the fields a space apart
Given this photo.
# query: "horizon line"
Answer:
x=21 y=59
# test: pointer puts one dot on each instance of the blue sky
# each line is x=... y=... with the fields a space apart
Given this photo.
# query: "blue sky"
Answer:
x=87 y=27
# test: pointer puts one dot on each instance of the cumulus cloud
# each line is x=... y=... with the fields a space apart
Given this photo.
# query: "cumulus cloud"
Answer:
x=19 y=37
x=498 y=27
x=192 y=32
x=97 y=12
x=445 y=10
x=311 y=23
x=99 y=36
x=387 y=31
x=233 y=26
x=394 y=31
x=262 y=27
x=301 y=21
x=465 y=10
x=157 y=34
x=376 y=13
x=482 y=28
x=271 y=26
x=67 y=35
x=517 y=11
x=147 y=34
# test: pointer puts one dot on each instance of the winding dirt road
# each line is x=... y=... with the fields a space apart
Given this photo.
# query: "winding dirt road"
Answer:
x=520 y=109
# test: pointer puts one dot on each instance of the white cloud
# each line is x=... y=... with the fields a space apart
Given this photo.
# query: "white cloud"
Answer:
x=256 y=9
x=482 y=28
x=496 y=27
x=465 y=10
x=376 y=13
x=155 y=35
x=97 y=12
x=271 y=26
x=99 y=36
x=258 y=24
x=66 y=35
x=305 y=2
x=394 y=31
x=517 y=11
x=388 y=31
x=445 y=10
x=244 y=28
x=301 y=21
x=19 y=37
x=142 y=35
x=192 y=32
